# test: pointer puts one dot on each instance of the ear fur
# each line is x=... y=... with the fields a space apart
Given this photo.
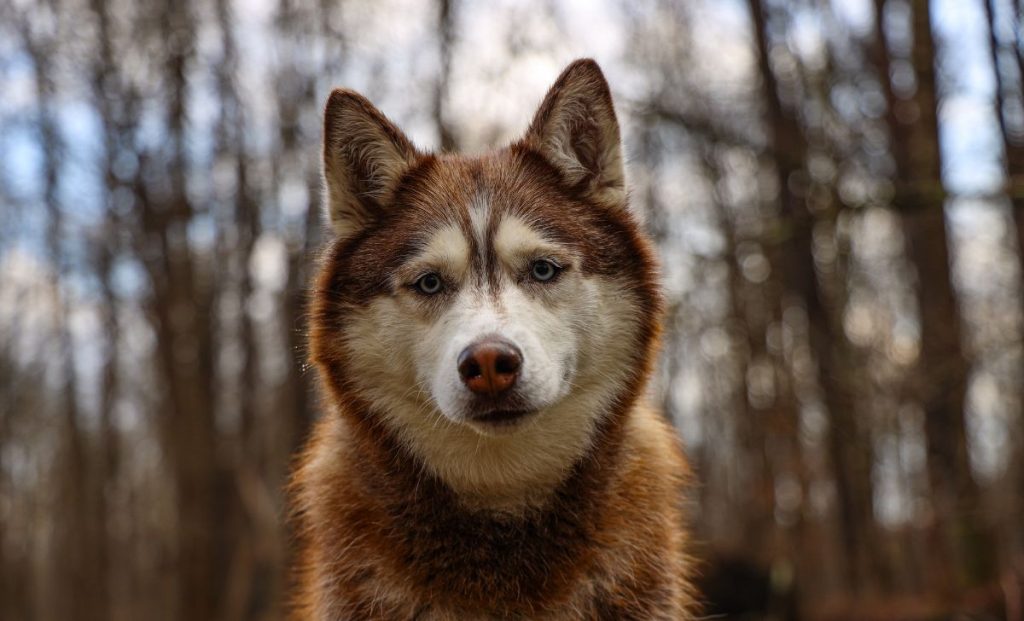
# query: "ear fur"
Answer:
x=364 y=159
x=576 y=130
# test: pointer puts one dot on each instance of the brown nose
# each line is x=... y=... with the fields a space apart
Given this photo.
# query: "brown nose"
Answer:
x=490 y=367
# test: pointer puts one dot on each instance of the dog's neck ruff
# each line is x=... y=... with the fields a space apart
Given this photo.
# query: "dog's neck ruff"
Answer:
x=506 y=474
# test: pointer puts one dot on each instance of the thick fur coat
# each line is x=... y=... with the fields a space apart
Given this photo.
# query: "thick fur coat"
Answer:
x=554 y=495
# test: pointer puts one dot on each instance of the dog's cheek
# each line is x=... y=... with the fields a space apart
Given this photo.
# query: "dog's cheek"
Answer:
x=377 y=338
x=611 y=330
x=577 y=317
x=550 y=344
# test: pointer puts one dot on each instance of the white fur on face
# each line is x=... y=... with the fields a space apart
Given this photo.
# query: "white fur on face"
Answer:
x=575 y=335
x=531 y=317
x=548 y=348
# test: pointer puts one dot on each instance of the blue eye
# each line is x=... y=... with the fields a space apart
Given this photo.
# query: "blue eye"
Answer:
x=543 y=270
x=429 y=283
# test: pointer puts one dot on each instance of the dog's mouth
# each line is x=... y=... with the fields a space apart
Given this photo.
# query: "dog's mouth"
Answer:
x=501 y=418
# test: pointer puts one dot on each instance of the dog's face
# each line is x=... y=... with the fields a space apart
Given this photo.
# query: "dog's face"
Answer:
x=505 y=299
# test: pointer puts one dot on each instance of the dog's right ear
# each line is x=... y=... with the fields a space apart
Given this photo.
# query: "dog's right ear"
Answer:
x=365 y=157
x=576 y=130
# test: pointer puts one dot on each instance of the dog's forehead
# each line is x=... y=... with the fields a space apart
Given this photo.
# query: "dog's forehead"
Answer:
x=481 y=208
x=507 y=201
x=482 y=235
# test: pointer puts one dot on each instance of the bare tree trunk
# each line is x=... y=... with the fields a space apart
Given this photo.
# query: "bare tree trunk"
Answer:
x=959 y=538
x=18 y=398
x=850 y=454
x=181 y=309
x=751 y=310
x=446 y=34
x=1013 y=151
x=78 y=546
x=104 y=91
x=246 y=562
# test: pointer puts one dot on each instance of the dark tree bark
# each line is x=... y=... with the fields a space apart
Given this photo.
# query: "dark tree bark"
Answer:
x=105 y=92
x=943 y=366
x=78 y=542
x=848 y=450
x=751 y=311
x=1013 y=154
x=181 y=310
x=446 y=40
x=244 y=568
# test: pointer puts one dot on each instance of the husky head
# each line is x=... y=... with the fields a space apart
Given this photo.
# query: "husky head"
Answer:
x=492 y=313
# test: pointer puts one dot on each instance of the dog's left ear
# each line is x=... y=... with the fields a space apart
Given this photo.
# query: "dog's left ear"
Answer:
x=575 y=129
x=365 y=156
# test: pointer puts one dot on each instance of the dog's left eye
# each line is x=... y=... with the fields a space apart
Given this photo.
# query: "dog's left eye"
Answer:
x=429 y=283
x=543 y=270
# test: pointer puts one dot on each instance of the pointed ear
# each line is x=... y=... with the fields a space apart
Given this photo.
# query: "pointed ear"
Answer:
x=365 y=157
x=575 y=129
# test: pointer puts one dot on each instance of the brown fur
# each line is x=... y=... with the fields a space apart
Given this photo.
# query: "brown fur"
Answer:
x=381 y=536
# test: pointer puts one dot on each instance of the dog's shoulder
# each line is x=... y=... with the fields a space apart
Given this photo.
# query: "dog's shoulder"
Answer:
x=654 y=450
x=644 y=567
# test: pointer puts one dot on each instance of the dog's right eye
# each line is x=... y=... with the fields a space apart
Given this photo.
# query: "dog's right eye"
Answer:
x=543 y=270
x=428 y=284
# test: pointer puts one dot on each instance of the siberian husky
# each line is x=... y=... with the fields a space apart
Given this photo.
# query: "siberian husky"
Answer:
x=483 y=329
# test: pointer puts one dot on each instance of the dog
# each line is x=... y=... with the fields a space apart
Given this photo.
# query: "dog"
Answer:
x=483 y=329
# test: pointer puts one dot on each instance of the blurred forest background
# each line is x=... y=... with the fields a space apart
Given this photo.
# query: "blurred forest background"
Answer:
x=836 y=188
